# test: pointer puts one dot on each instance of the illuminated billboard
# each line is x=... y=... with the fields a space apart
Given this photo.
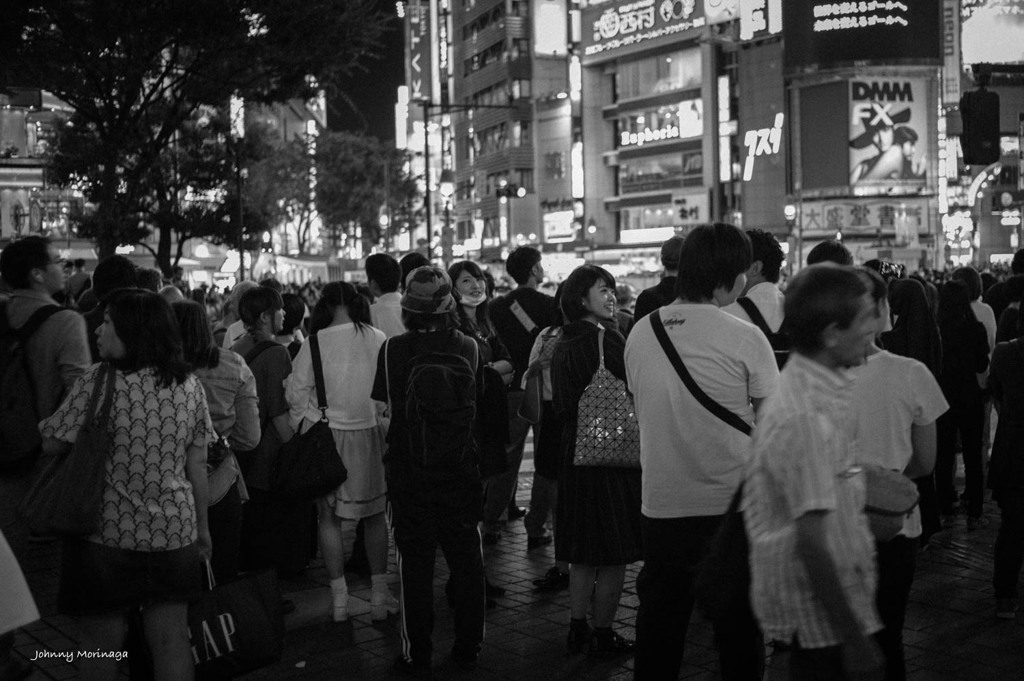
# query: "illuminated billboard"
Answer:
x=418 y=71
x=888 y=132
x=992 y=31
x=867 y=135
x=822 y=34
x=613 y=27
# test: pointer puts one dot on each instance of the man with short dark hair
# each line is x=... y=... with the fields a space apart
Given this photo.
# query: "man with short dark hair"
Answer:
x=112 y=273
x=762 y=289
x=410 y=262
x=664 y=292
x=383 y=276
x=431 y=505
x=518 y=317
x=692 y=461
x=812 y=554
x=77 y=283
x=57 y=354
x=830 y=250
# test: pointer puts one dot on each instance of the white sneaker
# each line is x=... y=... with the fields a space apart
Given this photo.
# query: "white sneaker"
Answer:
x=382 y=604
x=346 y=605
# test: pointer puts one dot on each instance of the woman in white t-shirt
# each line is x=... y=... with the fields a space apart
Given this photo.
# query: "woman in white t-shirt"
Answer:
x=348 y=353
x=896 y=401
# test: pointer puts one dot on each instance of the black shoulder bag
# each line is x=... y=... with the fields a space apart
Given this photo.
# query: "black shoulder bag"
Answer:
x=309 y=465
x=721 y=582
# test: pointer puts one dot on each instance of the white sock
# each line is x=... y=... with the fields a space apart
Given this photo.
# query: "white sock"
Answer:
x=380 y=582
x=339 y=585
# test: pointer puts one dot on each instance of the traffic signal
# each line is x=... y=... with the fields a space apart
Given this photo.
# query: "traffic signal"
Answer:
x=510 y=191
x=980 y=114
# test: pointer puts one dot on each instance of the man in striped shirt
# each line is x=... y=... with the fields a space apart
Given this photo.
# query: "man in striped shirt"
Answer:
x=811 y=551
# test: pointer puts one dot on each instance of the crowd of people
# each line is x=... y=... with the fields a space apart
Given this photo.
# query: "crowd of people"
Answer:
x=774 y=401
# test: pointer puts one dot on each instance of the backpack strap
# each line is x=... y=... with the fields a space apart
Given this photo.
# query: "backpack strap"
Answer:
x=519 y=312
x=701 y=396
x=755 y=315
x=29 y=328
x=258 y=350
x=318 y=376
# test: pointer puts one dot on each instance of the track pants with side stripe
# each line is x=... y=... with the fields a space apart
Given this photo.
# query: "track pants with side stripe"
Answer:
x=422 y=519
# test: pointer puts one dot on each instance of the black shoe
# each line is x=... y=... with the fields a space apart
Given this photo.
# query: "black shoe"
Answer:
x=491 y=538
x=609 y=644
x=580 y=637
x=410 y=668
x=553 y=580
x=516 y=512
x=464 y=662
x=493 y=590
x=537 y=542
x=287 y=606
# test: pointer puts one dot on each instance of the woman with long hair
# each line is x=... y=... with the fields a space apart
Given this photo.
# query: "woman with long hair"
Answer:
x=153 y=527
x=348 y=354
x=230 y=389
x=598 y=508
x=470 y=289
x=964 y=355
x=896 y=401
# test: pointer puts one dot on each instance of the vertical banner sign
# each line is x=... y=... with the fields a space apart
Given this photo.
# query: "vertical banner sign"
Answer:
x=950 y=52
x=889 y=132
x=418 y=72
x=760 y=18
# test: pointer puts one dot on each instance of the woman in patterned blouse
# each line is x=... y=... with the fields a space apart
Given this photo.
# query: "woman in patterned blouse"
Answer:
x=153 y=527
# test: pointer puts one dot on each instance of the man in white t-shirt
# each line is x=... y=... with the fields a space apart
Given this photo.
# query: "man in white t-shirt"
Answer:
x=762 y=287
x=692 y=460
x=895 y=402
x=383 y=275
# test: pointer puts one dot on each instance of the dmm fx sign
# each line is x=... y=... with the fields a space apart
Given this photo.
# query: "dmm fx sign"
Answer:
x=628 y=23
x=417 y=27
x=762 y=142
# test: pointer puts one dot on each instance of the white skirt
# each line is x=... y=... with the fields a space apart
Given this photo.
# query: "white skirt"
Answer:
x=364 y=492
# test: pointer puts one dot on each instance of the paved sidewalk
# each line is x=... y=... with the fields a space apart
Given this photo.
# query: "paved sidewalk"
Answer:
x=951 y=630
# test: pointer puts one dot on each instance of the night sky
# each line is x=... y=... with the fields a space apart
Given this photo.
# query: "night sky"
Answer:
x=372 y=90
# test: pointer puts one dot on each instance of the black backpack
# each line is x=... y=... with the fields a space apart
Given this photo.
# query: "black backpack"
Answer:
x=440 y=406
x=780 y=340
x=19 y=423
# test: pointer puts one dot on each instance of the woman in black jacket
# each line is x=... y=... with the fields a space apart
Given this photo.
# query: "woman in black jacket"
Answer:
x=964 y=355
x=598 y=516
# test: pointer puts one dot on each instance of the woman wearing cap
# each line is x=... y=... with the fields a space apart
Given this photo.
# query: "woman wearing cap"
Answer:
x=433 y=501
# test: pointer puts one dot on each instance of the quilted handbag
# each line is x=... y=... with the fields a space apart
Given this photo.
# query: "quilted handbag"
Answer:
x=607 y=432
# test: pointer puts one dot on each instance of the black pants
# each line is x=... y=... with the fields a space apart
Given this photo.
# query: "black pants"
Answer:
x=968 y=421
x=1009 y=549
x=225 y=520
x=897 y=560
x=424 y=517
x=672 y=549
x=275 y=533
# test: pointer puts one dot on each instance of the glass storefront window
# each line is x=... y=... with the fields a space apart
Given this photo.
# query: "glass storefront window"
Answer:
x=679 y=70
x=648 y=217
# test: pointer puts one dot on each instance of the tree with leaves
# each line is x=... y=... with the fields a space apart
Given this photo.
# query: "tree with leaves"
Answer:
x=351 y=189
x=136 y=73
